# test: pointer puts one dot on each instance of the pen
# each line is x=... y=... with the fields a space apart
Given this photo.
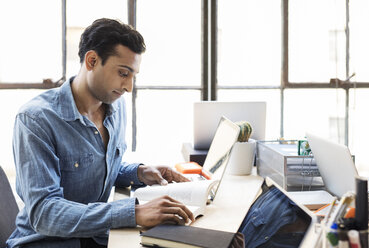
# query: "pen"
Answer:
x=326 y=218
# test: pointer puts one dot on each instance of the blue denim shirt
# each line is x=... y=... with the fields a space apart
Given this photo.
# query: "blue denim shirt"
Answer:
x=65 y=175
x=271 y=211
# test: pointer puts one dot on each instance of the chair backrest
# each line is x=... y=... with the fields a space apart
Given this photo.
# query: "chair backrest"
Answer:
x=8 y=209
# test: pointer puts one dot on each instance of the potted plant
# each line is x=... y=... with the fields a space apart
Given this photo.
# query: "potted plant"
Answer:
x=242 y=157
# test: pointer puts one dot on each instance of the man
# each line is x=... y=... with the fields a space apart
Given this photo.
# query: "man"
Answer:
x=68 y=145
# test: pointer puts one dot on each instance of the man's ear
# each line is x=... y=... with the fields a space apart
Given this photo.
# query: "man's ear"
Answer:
x=91 y=59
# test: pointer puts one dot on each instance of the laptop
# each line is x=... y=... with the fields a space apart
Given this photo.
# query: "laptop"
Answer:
x=218 y=155
x=208 y=113
x=215 y=165
x=335 y=164
x=274 y=220
x=295 y=225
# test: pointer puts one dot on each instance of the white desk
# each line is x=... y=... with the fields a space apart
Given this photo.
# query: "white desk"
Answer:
x=234 y=198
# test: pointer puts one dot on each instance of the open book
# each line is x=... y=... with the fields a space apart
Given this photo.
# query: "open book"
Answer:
x=193 y=194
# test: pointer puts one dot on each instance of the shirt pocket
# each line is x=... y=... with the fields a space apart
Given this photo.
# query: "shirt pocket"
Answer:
x=75 y=163
x=257 y=218
x=78 y=177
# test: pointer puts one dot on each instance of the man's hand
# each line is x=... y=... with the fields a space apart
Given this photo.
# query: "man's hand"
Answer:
x=162 y=210
x=150 y=175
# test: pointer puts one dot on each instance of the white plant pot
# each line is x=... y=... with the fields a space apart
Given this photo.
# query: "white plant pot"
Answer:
x=242 y=158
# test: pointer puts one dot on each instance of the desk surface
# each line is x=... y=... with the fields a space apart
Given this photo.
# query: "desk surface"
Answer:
x=234 y=198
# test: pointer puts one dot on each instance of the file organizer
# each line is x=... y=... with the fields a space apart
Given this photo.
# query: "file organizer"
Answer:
x=280 y=161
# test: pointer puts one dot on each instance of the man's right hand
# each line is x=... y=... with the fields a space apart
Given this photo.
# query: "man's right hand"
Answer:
x=162 y=210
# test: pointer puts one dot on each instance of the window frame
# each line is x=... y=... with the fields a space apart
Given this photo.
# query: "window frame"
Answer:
x=209 y=50
x=334 y=83
x=47 y=83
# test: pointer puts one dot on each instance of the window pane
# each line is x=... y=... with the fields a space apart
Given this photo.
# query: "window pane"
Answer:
x=164 y=122
x=318 y=111
x=30 y=44
x=249 y=43
x=359 y=49
x=13 y=100
x=77 y=22
x=271 y=97
x=317 y=40
x=172 y=33
x=358 y=125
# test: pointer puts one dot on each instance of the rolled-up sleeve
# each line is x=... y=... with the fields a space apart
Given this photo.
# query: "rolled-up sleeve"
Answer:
x=127 y=175
x=126 y=217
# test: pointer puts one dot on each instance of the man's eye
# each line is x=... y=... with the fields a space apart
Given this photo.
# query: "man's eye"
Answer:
x=123 y=74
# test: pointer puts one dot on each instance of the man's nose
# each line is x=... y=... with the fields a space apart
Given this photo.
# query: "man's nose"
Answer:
x=129 y=84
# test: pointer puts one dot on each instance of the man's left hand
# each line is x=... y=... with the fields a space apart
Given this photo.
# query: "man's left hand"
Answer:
x=150 y=175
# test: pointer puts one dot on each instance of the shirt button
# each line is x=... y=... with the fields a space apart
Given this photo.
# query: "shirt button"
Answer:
x=96 y=132
x=266 y=237
x=132 y=182
x=76 y=165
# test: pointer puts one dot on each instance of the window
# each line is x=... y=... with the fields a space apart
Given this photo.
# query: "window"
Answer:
x=249 y=43
x=170 y=75
x=314 y=110
x=31 y=41
x=317 y=41
x=164 y=122
x=172 y=33
x=249 y=55
x=359 y=40
x=81 y=14
x=359 y=123
x=283 y=52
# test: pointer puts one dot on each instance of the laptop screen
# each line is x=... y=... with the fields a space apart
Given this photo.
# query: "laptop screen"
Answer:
x=335 y=165
x=208 y=113
x=218 y=155
x=274 y=220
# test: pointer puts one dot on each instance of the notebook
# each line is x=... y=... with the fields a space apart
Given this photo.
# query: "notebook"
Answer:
x=177 y=236
x=335 y=164
x=208 y=113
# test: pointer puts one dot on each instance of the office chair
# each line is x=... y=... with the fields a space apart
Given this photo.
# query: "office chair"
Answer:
x=8 y=209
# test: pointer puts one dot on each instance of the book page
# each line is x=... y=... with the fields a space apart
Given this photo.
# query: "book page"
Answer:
x=189 y=193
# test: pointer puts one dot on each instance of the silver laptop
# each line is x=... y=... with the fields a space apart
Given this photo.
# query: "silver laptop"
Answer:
x=218 y=155
x=335 y=164
x=297 y=228
x=208 y=113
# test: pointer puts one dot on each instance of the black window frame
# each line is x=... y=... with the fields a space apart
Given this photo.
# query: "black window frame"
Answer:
x=209 y=49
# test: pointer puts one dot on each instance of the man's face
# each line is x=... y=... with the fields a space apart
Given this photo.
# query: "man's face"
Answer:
x=108 y=82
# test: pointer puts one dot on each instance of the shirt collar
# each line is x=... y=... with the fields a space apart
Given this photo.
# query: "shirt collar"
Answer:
x=67 y=107
x=112 y=108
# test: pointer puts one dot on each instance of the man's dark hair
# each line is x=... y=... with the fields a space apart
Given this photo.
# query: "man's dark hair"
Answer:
x=103 y=35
